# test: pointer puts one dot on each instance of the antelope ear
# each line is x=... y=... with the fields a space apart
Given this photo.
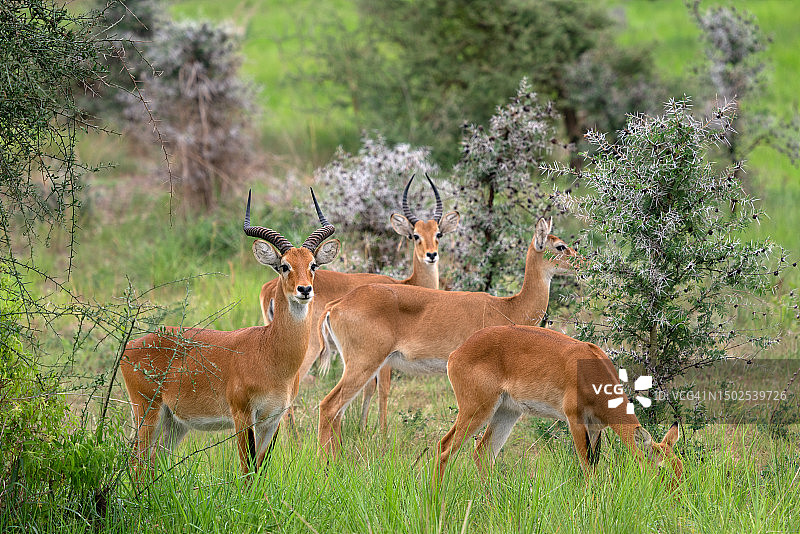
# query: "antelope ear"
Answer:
x=673 y=435
x=543 y=228
x=449 y=222
x=643 y=440
x=402 y=226
x=327 y=251
x=266 y=254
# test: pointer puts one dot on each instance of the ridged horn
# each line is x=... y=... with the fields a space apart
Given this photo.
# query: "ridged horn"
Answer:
x=267 y=234
x=406 y=210
x=437 y=212
x=320 y=234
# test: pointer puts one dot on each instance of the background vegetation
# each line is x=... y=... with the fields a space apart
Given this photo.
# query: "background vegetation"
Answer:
x=132 y=247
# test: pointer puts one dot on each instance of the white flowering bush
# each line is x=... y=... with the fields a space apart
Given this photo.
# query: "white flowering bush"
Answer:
x=670 y=274
x=499 y=192
x=205 y=109
x=362 y=192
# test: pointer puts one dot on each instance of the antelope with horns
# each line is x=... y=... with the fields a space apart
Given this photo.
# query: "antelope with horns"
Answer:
x=194 y=378
x=330 y=285
x=415 y=329
x=501 y=372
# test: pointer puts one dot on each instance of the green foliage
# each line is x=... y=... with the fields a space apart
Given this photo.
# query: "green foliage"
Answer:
x=31 y=410
x=669 y=271
x=418 y=70
x=50 y=461
x=44 y=52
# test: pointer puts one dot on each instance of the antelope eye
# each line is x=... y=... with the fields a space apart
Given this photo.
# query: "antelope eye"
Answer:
x=284 y=268
x=416 y=237
x=438 y=235
x=313 y=267
x=561 y=248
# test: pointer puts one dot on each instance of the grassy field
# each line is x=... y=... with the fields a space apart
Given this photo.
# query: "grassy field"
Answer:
x=737 y=478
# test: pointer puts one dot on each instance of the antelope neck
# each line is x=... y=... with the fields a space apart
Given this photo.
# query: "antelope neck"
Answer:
x=424 y=274
x=529 y=305
x=289 y=333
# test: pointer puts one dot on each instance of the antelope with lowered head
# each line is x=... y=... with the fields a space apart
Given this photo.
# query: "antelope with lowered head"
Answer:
x=501 y=372
x=415 y=329
x=196 y=378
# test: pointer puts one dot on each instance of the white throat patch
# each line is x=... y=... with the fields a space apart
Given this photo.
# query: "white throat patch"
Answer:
x=299 y=310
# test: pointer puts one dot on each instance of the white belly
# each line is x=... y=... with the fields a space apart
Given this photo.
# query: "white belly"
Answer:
x=417 y=366
x=538 y=408
x=206 y=424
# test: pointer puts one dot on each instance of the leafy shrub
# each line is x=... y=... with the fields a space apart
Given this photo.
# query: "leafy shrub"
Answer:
x=31 y=411
x=669 y=270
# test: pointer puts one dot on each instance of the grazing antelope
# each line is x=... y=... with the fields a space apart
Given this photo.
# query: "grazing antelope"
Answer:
x=330 y=285
x=501 y=372
x=415 y=329
x=195 y=378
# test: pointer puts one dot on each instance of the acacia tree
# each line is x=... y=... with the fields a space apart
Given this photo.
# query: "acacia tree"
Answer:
x=498 y=193
x=670 y=271
x=51 y=459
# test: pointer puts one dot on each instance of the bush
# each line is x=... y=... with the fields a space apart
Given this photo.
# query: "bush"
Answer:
x=669 y=270
x=205 y=110
x=364 y=189
x=32 y=412
x=498 y=193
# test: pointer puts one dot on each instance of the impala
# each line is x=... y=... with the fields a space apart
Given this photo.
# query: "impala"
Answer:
x=414 y=329
x=194 y=378
x=501 y=372
x=330 y=285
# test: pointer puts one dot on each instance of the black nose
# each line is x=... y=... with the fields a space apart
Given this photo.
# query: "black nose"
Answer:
x=432 y=255
x=304 y=290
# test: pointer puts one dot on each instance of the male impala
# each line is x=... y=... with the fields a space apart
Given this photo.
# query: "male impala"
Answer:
x=194 y=378
x=501 y=372
x=415 y=329
x=330 y=285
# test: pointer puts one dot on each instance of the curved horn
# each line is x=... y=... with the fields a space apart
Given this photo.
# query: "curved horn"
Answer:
x=437 y=212
x=406 y=210
x=271 y=236
x=320 y=234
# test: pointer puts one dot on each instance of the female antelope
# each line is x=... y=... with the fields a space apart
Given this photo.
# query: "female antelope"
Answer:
x=501 y=372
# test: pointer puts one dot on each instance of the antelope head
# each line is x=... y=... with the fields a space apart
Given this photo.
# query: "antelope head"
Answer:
x=558 y=254
x=425 y=234
x=295 y=265
x=661 y=454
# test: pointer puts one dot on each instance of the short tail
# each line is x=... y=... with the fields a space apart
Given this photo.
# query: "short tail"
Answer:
x=325 y=352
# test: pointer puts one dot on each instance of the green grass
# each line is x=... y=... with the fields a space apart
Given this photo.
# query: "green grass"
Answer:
x=736 y=480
